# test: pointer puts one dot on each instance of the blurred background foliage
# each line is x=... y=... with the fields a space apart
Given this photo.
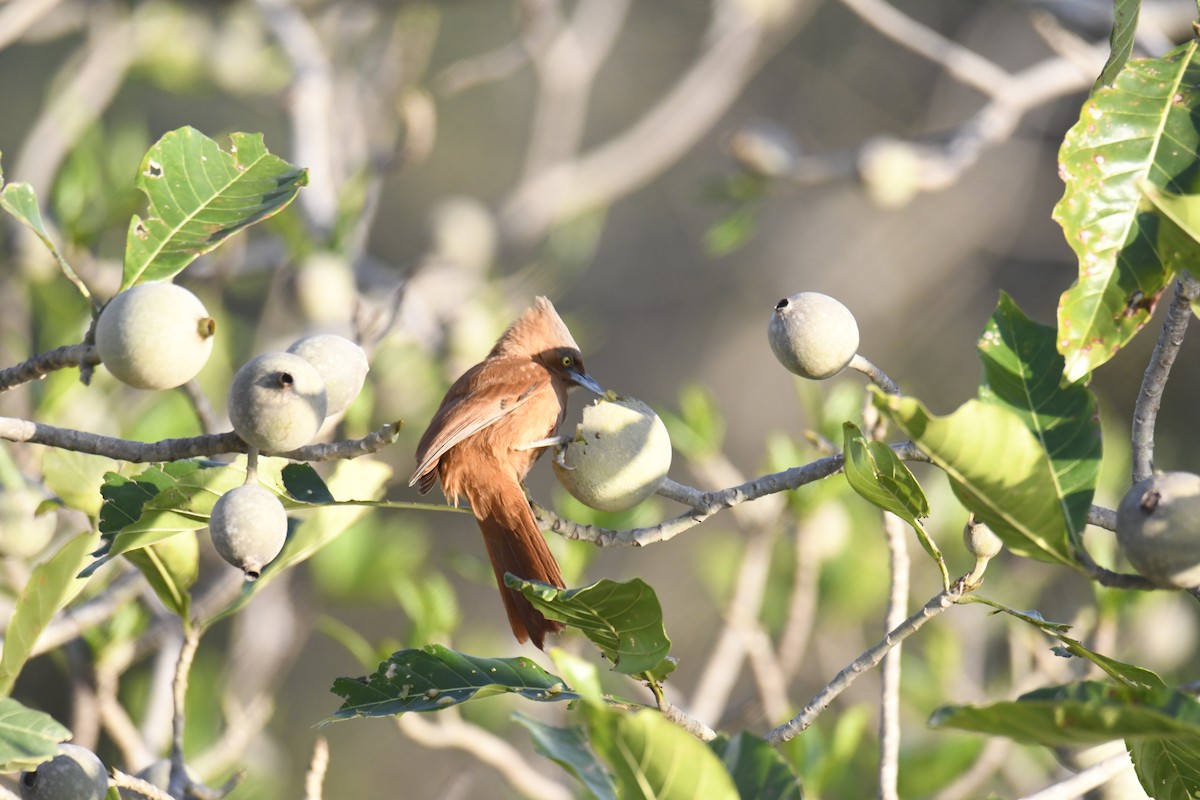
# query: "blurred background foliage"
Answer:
x=433 y=132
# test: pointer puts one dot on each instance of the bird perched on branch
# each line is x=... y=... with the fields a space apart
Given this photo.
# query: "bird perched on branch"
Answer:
x=491 y=426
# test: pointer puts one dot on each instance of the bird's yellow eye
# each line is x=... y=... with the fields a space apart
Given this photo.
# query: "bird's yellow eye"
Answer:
x=567 y=361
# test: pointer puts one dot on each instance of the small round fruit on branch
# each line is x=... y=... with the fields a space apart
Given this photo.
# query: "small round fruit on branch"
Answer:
x=277 y=402
x=76 y=773
x=154 y=336
x=248 y=526
x=619 y=456
x=813 y=335
x=1158 y=529
x=341 y=363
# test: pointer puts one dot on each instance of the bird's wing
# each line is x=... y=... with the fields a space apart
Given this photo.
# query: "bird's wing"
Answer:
x=481 y=396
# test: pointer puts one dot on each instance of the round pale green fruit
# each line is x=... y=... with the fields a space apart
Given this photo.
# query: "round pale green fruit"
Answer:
x=981 y=541
x=74 y=774
x=619 y=456
x=813 y=335
x=341 y=363
x=277 y=402
x=25 y=532
x=248 y=526
x=154 y=336
x=890 y=171
x=1158 y=529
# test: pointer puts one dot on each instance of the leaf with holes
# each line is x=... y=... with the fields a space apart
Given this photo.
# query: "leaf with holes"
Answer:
x=436 y=677
x=1145 y=128
x=199 y=196
x=1086 y=712
x=1022 y=372
x=623 y=619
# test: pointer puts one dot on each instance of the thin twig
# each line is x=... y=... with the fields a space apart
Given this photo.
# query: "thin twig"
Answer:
x=191 y=642
x=869 y=659
x=73 y=621
x=38 y=367
x=144 y=789
x=20 y=430
x=315 y=778
x=803 y=604
x=311 y=106
x=895 y=532
x=18 y=17
x=1154 y=381
x=693 y=726
x=1083 y=782
x=201 y=405
x=451 y=731
x=703 y=504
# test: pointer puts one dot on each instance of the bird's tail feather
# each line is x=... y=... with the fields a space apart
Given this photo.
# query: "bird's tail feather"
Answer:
x=515 y=544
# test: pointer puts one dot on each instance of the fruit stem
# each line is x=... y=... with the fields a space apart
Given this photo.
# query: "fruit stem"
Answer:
x=874 y=373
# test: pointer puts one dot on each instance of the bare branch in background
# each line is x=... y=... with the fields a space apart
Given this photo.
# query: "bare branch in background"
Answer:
x=451 y=731
x=894 y=531
x=94 y=80
x=735 y=45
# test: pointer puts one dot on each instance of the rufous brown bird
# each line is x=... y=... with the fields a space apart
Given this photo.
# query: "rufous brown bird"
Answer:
x=479 y=441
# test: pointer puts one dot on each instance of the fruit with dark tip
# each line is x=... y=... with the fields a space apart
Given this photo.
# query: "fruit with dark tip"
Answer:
x=341 y=363
x=1158 y=529
x=154 y=336
x=277 y=402
x=248 y=526
x=813 y=335
x=76 y=773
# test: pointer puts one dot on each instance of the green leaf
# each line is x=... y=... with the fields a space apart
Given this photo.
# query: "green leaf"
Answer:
x=159 y=503
x=651 y=757
x=76 y=478
x=171 y=567
x=881 y=478
x=27 y=737
x=1178 y=239
x=436 y=677
x=199 y=196
x=303 y=483
x=623 y=619
x=1130 y=674
x=1168 y=769
x=51 y=585
x=569 y=748
x=1120 y=41
x=758 y=770
x=20 y=200
x=1144 y=128
x=1087 y=712
x=996 y=468
x=1022 y=371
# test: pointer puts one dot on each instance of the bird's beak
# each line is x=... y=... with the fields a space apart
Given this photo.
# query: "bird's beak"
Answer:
x=587 y=382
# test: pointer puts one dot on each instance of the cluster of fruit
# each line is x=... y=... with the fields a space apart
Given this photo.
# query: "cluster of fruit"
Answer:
x=159 y=336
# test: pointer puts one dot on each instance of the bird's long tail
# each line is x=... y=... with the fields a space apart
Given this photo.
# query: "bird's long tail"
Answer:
x=515 y=544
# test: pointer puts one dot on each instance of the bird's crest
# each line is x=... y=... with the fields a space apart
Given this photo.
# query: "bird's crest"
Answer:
x=539 y=329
